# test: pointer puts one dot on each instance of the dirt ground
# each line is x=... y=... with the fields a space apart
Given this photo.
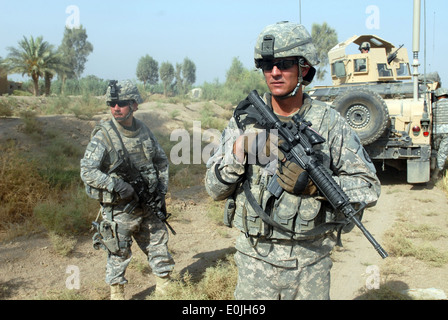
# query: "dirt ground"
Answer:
x=30 y=269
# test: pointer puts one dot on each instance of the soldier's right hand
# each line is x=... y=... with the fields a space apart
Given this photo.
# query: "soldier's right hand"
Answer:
x=257 y=145
x=123 y=189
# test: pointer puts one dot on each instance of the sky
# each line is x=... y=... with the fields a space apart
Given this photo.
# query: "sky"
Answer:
x=210 y=32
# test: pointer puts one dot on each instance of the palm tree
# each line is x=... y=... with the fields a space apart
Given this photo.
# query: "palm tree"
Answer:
x=34 y=58
x=324 y=38
x=52 y=65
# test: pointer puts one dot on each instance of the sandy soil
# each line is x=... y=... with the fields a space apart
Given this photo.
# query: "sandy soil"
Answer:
x=30 y=269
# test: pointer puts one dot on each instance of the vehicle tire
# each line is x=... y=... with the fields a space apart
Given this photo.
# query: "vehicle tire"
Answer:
x=365 y=111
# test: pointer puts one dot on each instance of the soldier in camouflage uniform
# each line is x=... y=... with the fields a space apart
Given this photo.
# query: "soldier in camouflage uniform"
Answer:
x=441 y=128
x=273 y=264
x=123 y=136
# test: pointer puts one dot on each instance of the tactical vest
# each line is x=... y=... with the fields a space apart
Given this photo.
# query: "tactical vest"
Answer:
x=140 y=147
x=301 y=214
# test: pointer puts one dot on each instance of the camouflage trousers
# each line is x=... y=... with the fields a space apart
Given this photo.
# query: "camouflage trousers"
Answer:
x=260 y=280
x=151 y=236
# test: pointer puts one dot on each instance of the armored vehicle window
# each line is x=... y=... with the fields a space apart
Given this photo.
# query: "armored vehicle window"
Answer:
x=338 y=69
x=403 y=70
x=383 y=71
x=361 y=65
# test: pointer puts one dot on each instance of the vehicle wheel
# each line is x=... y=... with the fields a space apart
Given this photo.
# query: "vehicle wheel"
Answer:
x=365 y=111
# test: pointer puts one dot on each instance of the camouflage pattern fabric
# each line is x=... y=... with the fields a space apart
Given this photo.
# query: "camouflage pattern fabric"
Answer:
x=276 y=251
x=126 y=91
x=286 y=39
x=440 y=127
x=440 y=114
x=442 y=153
x=291 y=40
x=260 y=280
x=152 y=238
x=441 y=92
x=147 y=155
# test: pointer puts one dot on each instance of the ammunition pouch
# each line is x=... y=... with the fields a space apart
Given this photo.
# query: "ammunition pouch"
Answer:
x=288 y=218
x=102 y=196
x=229 y=212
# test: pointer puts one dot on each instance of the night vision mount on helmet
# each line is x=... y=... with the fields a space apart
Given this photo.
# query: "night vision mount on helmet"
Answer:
x=122 y=91
x=287 y=39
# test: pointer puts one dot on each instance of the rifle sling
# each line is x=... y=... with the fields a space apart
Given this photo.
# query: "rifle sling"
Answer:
x=125 y=151
x=119 y=155
x=319 y=230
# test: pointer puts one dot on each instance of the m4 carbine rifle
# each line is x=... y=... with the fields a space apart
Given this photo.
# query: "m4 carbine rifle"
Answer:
x=151 y=202
x=298 y=147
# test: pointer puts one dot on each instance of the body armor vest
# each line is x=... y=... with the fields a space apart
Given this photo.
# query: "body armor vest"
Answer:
x=140 y=148
x=297 y=213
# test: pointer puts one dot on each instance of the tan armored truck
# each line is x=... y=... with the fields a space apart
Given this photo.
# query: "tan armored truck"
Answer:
x=374 y=91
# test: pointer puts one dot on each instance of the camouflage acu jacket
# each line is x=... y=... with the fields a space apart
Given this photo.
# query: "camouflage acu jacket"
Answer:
x=102 y=152
x=342 y=153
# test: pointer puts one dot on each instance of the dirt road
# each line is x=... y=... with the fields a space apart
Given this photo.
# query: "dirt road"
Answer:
x=30 y=269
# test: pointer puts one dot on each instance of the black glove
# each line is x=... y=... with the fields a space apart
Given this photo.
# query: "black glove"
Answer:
x=123 y=189
x=161 y=207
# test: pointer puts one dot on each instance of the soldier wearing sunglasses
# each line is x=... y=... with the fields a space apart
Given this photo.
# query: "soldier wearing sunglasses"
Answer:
x=125 y=137
x=272 y=263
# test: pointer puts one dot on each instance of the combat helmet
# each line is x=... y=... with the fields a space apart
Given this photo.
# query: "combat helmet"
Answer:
x=364 y=45
x=123 y=90
x=441 y=92
x=287 y=39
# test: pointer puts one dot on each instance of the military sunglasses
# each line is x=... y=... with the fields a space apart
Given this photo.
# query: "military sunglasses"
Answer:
x=280 y=64
x=121 y=104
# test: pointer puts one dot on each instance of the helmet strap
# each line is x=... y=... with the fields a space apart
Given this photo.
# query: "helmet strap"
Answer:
x=131 y=111
x=296 y=89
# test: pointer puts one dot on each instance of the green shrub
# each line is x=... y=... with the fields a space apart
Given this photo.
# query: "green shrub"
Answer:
x=209 y=119
x=60 y=164
x=31 y=124
x=5 y=109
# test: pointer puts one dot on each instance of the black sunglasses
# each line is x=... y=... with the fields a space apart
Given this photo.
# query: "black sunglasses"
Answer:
x=280 y=64
x=121 y=104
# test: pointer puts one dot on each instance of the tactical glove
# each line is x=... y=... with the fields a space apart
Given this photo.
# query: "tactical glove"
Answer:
x=161 y=206
x=293 y=179
x=123 y=189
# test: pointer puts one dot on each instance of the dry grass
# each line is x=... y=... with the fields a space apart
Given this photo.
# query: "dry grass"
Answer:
x=21 y=187
x=42 y=190
x=407 y=239
x=217 y=283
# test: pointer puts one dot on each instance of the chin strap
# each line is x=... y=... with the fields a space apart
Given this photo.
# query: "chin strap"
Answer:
x=299 y=83
x=291 y=94
x=131 y=111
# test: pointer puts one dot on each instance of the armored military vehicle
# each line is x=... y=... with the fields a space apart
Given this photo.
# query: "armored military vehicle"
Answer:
x=392 y=114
